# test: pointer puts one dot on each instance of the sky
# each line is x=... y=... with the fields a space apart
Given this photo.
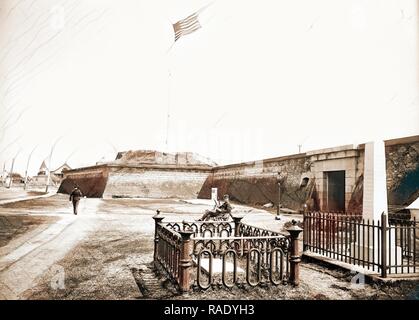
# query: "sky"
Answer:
x=93 y=77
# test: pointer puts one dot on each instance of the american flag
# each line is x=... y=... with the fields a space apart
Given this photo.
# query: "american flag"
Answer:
x=186 y=26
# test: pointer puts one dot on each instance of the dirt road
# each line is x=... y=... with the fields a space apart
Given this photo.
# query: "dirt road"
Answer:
x=105 y=253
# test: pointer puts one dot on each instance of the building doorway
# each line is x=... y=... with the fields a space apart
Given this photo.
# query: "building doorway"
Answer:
x=335 y=181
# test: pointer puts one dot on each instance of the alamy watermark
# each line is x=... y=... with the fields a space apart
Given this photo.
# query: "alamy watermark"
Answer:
x=58 y=279
x=358 y=280
x=57 y=20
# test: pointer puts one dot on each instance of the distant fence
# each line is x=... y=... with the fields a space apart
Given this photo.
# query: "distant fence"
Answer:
x=384 y=246
x=214 y=254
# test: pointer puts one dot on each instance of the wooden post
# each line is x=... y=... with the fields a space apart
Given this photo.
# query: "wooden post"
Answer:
x=278 y=209
x=185 y=262
x=157 y=219
x=295 y=257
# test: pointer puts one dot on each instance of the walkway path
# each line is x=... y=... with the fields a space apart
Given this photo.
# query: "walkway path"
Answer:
x=21 y=263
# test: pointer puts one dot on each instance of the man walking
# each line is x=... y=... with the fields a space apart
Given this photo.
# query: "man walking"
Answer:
x=75 y=196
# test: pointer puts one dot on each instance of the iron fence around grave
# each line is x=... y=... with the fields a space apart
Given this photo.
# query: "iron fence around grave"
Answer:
x=383 y=246
x=216 y=254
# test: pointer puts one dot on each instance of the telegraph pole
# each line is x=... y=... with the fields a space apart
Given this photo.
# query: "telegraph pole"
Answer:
x=3 y=181
x=11 y=170
x=49 y=170
x=27 y=166
x=49 y=164
x=11 y=174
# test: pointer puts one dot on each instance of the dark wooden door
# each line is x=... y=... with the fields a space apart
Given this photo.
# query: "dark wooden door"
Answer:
x=336 y=191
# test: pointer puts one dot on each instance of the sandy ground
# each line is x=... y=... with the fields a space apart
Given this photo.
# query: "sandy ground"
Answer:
x=106 y=251
x=16 y=193
x=13 y=227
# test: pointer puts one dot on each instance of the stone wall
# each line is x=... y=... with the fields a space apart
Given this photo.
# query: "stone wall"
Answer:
x=155 y=182
x=402 y=161
x=257 y=182
x=91 y=180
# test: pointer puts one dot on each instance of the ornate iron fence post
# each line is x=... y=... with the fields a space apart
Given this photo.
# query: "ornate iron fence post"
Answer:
x=384 y=228
x=185 y=262
x=157 y=219
x=278 y=209
x=295 y=257
x=237 y=221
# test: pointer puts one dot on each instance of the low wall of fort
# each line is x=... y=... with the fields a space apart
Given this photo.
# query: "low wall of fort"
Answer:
x=155 y=182
x=91 y=181
x=402 y=162
x=303 y=178
x=257 y=182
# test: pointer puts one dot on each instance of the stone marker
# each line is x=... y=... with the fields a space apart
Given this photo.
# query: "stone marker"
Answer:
x=214 y=195
x=374 y=205
x=375 y=188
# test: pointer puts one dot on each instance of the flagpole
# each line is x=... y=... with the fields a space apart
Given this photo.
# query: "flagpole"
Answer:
x=169 y=77
x=181 y=28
